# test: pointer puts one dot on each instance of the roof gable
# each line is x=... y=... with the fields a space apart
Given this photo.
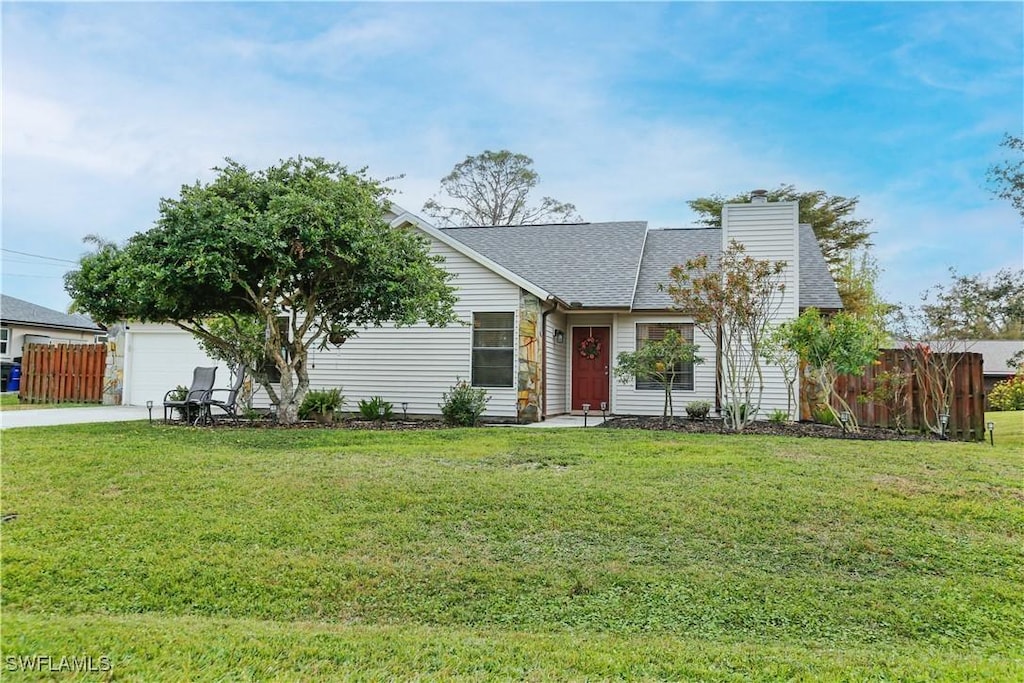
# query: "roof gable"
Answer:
x=593 y=264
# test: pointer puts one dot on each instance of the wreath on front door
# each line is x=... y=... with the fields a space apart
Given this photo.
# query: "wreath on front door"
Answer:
x=590 y=348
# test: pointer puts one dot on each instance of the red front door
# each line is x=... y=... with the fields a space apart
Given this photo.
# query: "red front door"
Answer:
x=590 y=367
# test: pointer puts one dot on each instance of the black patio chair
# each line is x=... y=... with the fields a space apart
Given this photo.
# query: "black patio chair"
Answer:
x=191 y=406
x=229 y=404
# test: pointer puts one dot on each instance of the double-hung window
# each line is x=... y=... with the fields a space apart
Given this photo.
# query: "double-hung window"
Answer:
x=646 y=332
x=494 y=349
x=5 y=340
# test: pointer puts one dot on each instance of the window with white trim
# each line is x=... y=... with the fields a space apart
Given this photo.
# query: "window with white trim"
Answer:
x=5 y=340
x=655 y=332
x=494 y=350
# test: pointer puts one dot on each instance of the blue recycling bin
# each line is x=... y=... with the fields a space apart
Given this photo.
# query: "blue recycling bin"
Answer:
x=14 y=381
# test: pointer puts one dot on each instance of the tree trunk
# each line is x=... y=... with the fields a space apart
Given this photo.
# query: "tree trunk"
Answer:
x=293 y=387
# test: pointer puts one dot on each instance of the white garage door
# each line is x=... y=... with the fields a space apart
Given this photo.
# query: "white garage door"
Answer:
x=161 y=360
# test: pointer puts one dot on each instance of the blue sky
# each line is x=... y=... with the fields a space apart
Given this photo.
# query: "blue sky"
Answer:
x=628 y=110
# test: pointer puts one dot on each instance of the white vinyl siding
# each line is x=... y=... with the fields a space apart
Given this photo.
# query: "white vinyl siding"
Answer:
x=628 y=400
x=770 y=231
x=416 y=364
x=554 y=359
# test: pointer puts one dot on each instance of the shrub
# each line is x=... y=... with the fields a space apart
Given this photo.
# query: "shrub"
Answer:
x=1009 y=394
x=823 y=414
x=463 y=405
x=320 y=401
x=779 y=415
x=742 y=411
x=376 y=409
x=178 y=393
x=251 y=414
x=698 y=410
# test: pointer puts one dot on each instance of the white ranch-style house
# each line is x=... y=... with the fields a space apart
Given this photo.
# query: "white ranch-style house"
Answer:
x=545 y=311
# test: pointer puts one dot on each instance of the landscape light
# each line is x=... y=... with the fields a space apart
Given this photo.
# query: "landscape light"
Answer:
x=149 y=407
x=991 y=433
x=943 y=421
x=604 y=411
x=586 y=411
x=405 y=410
x=844 y=419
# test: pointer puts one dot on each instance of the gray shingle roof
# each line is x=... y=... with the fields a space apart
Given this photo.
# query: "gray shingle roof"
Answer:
x=817 y=287
x=15 y=310
x=665 y=249
x=596 y=263
x=592 y=263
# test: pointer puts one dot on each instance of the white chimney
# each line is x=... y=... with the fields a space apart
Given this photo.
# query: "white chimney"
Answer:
x=759 y=197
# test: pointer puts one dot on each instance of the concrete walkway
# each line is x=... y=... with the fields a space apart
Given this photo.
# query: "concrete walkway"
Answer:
x=48 y=417
x=563 y=421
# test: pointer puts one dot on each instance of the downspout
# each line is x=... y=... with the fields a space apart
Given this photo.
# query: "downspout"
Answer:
x=544 y=358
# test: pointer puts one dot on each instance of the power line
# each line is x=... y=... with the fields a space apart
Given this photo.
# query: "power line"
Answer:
x=8 y=259
x=55 y=277
x=48 y=258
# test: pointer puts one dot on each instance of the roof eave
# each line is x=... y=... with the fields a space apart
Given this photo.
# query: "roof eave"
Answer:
x=55 y=326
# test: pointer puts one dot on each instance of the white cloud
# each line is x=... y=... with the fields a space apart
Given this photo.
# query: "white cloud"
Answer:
x=627 y=110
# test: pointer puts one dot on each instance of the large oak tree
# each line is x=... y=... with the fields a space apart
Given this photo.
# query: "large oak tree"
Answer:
x=1007 y=178
x=304 y=241
x=493 y=188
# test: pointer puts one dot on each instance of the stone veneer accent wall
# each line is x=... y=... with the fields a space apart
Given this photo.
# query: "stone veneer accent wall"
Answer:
x=530 y=379
x=113 y=375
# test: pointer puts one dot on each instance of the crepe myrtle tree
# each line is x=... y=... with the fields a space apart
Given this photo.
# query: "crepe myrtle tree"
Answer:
x=301 y=246
x=734 y=302
x=841 y=344
x=659 y=360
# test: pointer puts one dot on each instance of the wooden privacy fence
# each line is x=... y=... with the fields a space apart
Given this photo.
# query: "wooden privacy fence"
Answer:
x=63 y=373
x=923 y=370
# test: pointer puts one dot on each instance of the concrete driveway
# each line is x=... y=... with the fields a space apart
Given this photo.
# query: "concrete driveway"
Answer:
x=48 y=417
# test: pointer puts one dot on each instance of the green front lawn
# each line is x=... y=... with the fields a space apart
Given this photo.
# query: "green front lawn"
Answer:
x=9 y=401
x=1009 y=428
x=186 y=554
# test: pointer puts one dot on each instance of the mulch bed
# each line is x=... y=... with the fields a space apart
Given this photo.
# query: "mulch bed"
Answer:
x=388 y=426
x=715 y=426
x=678 y=424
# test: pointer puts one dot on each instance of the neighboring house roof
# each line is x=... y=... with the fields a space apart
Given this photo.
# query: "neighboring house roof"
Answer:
x=13 y=310
x=619 y=265
x=995 y=353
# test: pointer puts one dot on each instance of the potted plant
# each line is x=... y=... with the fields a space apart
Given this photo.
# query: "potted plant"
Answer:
x=320 y=404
